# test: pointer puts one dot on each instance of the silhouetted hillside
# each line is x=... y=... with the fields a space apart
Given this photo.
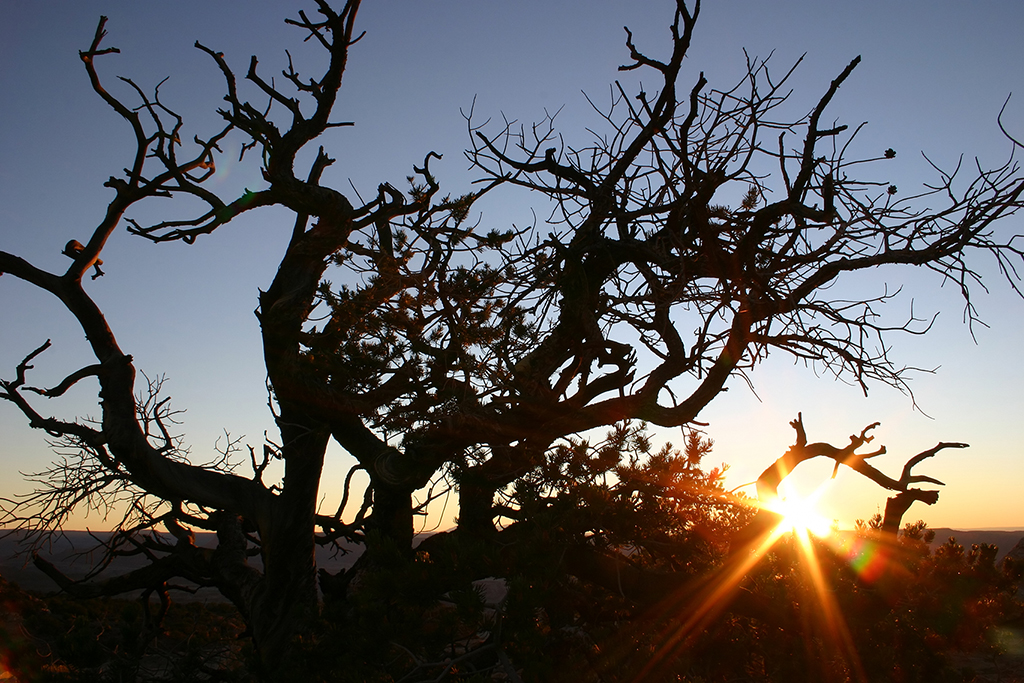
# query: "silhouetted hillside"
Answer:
x=1005 y=540
x=72 y=553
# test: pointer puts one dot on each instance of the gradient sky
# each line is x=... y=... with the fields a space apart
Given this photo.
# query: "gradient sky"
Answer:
x=933 y=78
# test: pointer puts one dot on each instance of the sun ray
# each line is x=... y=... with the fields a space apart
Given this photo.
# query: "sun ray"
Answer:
x=713 y=597
x=819 y=610
x=830 y=615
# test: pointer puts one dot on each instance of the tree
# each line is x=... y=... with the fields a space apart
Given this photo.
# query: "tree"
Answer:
x=694 y=237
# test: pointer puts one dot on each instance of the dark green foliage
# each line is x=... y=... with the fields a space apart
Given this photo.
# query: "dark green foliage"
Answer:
x=58 y=639
x=905 y=625
x=655 y=512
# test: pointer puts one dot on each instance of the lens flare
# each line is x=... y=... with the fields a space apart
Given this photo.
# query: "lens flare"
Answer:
x=866 y=556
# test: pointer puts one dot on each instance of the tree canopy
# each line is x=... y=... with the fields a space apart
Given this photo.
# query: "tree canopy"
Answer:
x=698 y=232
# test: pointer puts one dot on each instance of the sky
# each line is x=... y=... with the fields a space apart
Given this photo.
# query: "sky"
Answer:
x=931 y=80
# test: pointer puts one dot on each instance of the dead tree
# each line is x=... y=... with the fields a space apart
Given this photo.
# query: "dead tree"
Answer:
x=896 y=506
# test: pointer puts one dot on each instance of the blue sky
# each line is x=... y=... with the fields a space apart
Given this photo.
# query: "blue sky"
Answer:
x=933 y=79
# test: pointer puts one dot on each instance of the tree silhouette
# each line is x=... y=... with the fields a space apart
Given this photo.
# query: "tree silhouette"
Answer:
x=690 y=239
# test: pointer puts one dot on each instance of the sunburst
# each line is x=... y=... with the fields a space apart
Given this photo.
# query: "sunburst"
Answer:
x=800 y=514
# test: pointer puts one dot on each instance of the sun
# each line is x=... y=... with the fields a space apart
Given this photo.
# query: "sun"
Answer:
x=799 y=510
x=801 y=516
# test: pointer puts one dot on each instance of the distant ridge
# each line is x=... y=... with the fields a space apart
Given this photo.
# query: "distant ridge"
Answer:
x=19 y=569
x=1006 y=539
x=65 y=549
